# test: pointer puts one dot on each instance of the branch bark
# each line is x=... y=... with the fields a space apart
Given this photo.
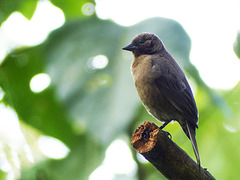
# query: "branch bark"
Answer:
x=174 y=163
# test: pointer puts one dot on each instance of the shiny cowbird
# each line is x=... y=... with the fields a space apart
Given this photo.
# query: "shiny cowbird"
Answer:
x=162 y=85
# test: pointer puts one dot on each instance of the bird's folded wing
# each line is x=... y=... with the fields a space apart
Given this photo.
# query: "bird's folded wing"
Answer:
x=178 y=93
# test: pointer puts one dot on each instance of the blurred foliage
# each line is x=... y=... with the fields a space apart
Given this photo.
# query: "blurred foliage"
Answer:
x=88 y=107
x=72 y=8
x=236 y=46
x=25 y=7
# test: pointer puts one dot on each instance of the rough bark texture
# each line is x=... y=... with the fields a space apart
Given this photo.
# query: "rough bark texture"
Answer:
x=174 y=163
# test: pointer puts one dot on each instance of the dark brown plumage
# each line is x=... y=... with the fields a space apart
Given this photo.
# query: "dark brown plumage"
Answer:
x=162 y=85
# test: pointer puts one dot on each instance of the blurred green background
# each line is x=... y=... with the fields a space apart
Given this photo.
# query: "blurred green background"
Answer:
x=91 y=103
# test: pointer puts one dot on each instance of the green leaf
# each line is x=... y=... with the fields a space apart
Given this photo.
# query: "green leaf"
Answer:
x=42 y=111
x=26 y=7
x=72 y=9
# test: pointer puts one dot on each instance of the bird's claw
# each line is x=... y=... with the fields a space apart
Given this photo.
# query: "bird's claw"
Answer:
x=168 y=134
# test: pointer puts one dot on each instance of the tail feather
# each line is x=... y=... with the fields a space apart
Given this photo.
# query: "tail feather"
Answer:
x=191 y=135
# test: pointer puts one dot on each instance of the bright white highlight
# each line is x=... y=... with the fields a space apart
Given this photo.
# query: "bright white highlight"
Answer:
x=40 y=82
x=212 y=26
x=1 y=94
x=118 y=160
x=10 y=132
x=88 y=9
x=12 y=143
x=141 y=158
x=98 y=62
x=52 y=148
x=18 y=31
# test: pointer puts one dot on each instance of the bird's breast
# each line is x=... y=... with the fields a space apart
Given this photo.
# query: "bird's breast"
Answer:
x=152 y=98
x=154 y=101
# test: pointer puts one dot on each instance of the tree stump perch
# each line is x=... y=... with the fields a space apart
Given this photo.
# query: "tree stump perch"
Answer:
x=174 y=163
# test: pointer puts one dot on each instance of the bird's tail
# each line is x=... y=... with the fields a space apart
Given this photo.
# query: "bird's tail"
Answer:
x=190 y=132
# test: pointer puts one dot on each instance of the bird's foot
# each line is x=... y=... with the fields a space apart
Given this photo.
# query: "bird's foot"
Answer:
x=167 y=133
x=161 y=127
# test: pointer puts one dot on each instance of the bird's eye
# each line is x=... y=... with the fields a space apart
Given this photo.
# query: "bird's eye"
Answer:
x=141 y=41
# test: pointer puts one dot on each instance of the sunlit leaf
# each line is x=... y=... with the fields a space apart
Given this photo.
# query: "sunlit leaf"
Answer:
x=25 y=7
x=72 y=8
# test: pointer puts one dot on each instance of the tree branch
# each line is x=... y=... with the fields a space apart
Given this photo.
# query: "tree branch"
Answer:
x=174 y=163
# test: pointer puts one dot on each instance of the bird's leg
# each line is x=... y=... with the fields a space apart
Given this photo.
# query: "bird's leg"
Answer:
x=162 y=126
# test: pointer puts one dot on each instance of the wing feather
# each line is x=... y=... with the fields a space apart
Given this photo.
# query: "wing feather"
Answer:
x=176 y=89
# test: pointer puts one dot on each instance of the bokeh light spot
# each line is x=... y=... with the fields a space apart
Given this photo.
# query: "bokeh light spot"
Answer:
x=231 y=128
x=40 y=82
x=2 y=93
x=114 y=164
x=52 y=148
x=88 y=9
x=98 y=62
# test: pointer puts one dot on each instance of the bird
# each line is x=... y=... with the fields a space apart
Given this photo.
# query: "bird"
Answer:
x=162 y=85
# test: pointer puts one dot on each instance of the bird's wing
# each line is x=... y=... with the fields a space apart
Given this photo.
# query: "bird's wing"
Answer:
x=176 y=89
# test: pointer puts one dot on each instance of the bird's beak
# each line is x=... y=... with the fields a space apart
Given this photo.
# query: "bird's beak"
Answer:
x=130 y=47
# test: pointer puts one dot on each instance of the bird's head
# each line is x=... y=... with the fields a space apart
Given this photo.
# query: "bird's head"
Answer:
x=145 y=43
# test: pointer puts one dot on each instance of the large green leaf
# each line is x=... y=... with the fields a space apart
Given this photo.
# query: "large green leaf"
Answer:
x=42 y=111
